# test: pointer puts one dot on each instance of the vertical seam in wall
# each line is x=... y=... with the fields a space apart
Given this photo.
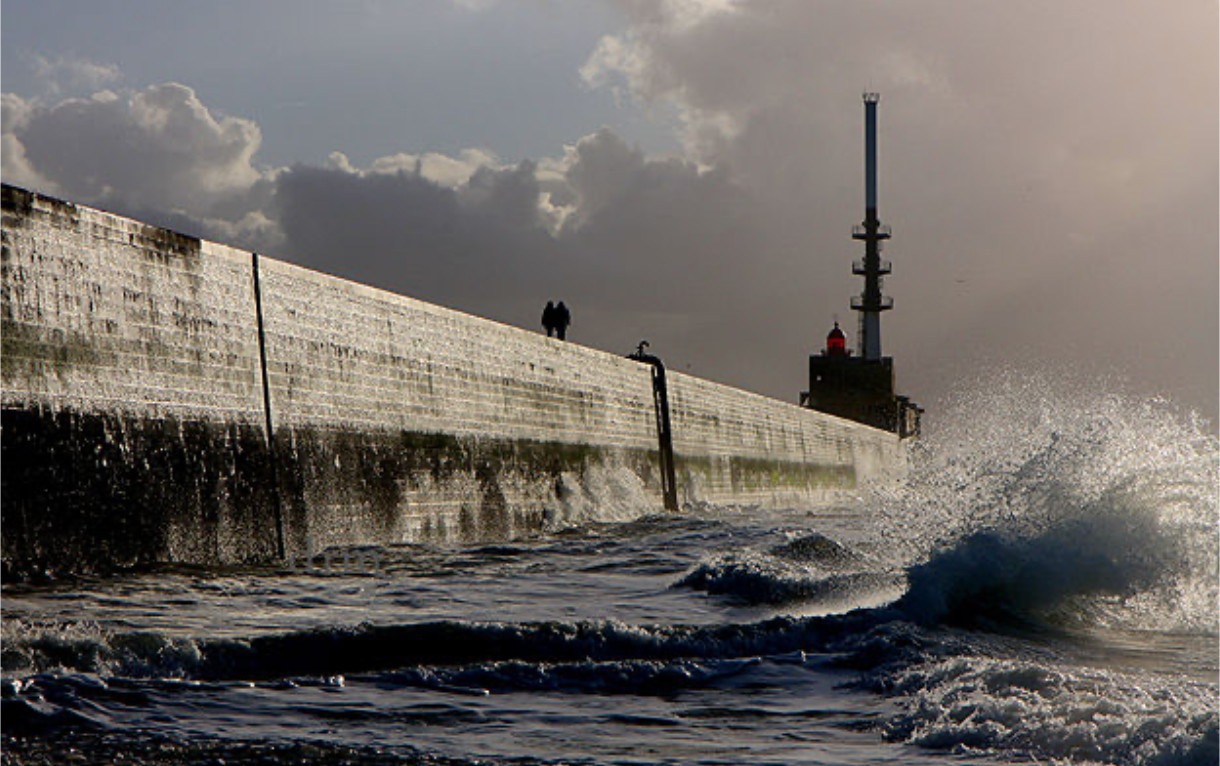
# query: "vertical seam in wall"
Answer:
x=270 y=431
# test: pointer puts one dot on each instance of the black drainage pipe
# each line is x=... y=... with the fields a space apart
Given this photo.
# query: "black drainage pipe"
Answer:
x=273 y=465
x=660 y=397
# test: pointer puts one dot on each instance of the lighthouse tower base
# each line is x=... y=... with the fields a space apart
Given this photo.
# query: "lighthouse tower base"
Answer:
x=860 y=389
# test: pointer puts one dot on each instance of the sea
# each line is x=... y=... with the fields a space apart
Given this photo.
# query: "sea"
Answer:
x=1041 y=587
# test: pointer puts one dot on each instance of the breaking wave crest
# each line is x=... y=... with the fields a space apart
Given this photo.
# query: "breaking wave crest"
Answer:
x=1038 y=500
x=1063 y=516
x=758 y=579
x=332 y=651
x=997 y=575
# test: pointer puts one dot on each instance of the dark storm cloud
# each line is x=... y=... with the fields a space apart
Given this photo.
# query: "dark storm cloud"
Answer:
x=645 y=247
x=468 y=247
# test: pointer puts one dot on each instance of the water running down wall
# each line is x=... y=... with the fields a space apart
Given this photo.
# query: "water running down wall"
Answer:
x=135 y=418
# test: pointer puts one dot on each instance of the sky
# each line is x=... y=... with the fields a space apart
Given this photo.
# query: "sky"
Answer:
x=679 y=171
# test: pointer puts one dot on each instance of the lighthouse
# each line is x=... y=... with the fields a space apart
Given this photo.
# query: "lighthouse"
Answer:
x=861 y=386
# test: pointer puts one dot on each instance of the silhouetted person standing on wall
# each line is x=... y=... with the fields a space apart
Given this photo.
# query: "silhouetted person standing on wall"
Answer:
x=563 y=318
x=548 y=318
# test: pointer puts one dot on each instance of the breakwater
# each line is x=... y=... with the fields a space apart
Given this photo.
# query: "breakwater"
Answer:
x=166 y=398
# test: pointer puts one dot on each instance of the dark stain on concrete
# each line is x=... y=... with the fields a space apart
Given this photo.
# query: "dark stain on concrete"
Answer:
x=96 y=493
x=22 y=205
x=164 y=243
x=18 y=202
x=495 y=520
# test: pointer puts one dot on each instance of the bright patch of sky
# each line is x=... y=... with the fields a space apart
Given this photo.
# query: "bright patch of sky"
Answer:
x=368 y=78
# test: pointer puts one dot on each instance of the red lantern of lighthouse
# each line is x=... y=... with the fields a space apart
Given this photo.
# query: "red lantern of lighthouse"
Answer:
x=836 y=342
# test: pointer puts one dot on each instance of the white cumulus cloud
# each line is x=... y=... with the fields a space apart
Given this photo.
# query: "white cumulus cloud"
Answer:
x=70 y=74
x=155 y=147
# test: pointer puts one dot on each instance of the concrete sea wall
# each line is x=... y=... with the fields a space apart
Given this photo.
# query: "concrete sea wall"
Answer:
x=167 y=398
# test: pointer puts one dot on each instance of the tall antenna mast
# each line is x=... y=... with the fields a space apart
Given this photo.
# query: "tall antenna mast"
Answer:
x=871 y=302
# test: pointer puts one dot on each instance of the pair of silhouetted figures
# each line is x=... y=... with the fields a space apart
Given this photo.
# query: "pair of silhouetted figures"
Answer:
x=555 y=320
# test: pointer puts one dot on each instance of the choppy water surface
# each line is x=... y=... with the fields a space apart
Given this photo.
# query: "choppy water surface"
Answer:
x=1042 y=589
